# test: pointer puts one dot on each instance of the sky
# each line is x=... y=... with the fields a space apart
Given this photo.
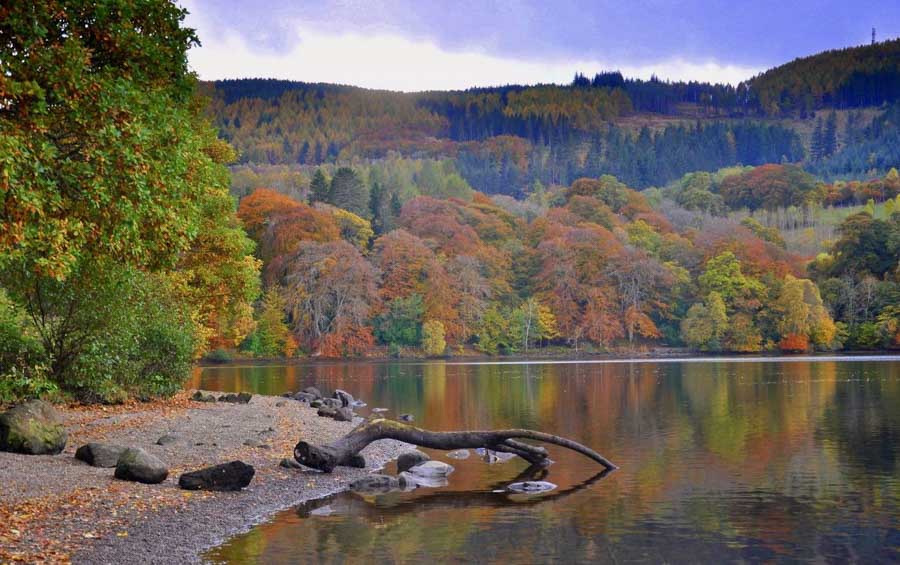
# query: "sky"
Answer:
x=419 y=45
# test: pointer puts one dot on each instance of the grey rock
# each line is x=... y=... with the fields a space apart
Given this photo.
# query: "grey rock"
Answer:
x=531 y=487
x=226 y=477
x=230 y=398
x=253 y=442
x=326 y=412
x=379 y=410
x=244 y=397
x=100 y=454
x=289 y=463
x=409 y=459
x=374 y=484
x=313 y=391
x=200 y=397
x=316 y=404
x=459 y=454
x=138 y=465
x=343 y=414
x=167 y=439
x=431 y=469
x=33 y=428
x=358 y=461
x=412 y=480
x=305 y=397
x=407 y=418
x=345 y=397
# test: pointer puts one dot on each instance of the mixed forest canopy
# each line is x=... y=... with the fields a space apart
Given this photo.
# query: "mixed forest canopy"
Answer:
x=644 y=132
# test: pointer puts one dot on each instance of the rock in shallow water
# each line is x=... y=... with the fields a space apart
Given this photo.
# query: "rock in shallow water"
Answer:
x=373 y=484
x=33 y=428
x=531 y=487
x=409 y=459
x=100 y=454
x=459 y=454
x=431 y=469
x=138 y=465
x=418 y=481
x=226 y=477
x=407 y=418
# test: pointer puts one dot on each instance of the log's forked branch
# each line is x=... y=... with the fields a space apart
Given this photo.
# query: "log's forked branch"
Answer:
x=327 y=457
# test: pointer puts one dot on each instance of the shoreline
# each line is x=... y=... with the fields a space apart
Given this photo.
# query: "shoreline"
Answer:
x=54 y=508
x=637 y=356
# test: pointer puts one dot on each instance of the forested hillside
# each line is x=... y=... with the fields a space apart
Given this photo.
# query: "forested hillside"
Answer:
x=646 y=133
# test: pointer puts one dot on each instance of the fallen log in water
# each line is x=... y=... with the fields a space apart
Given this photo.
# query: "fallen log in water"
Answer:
x=342 y=451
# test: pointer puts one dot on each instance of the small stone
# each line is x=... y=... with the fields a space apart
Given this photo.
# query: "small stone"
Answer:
x=316 y=404
x=409 y=459
x=138 y=465
x=99 y=454
x=304 y=397
x=407 y=417
x=373 y=484
x=288 y=463
x=167 y=439
x=327 y=411
x=33 y=428
x=253 y=442
x=226 y=477
x=280 y=404
x=413 y=481
x=343 y=414
x=379 y=410
x=459 y=454
x=244 y=397
x=231 y=398
x=531 y=487
x=313 y=391
x=345 y=397
x=431 y=469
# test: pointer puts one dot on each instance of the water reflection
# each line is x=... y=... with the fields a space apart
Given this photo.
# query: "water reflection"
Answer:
x=720 y=461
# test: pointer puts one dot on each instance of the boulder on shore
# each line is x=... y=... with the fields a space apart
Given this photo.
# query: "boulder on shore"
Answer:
x=200 y=397
x=343 y=414
x=33 y=428
x=409 y=459
x=313 y=391
x=100 y=454
x=345 y=397
x=225 y=477
x=137 y=465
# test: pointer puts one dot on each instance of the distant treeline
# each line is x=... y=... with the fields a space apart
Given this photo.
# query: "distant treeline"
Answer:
x=645 y=132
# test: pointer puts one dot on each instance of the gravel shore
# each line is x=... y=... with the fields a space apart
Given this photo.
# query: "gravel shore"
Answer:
x=58 y=509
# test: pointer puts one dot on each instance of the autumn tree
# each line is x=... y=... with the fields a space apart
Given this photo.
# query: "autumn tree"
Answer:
x=705 y=326
x=330 y=290
x=433 y=338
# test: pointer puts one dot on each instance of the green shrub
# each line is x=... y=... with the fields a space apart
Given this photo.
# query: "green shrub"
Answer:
x=219 y=356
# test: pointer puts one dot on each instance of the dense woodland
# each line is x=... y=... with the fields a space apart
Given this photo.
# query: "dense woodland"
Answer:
x=358 y=222
x=646 y=133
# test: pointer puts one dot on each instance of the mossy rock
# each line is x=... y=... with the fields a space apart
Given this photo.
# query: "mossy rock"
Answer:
x=33 y=428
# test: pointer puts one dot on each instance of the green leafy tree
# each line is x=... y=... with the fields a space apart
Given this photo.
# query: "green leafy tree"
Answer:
x=433 y=338
x=272 y=337
x=401 y=324
x=492 y=332
x=705 y=325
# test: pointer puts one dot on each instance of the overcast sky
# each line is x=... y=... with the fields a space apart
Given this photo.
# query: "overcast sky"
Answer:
x=422 y=45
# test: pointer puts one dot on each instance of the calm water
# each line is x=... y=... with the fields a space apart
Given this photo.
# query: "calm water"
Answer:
x=720 y=461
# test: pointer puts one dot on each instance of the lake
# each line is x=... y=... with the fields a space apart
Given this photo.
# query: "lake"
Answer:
x=720 y=460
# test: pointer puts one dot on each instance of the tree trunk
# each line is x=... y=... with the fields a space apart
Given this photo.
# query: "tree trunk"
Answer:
x=342 y=451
